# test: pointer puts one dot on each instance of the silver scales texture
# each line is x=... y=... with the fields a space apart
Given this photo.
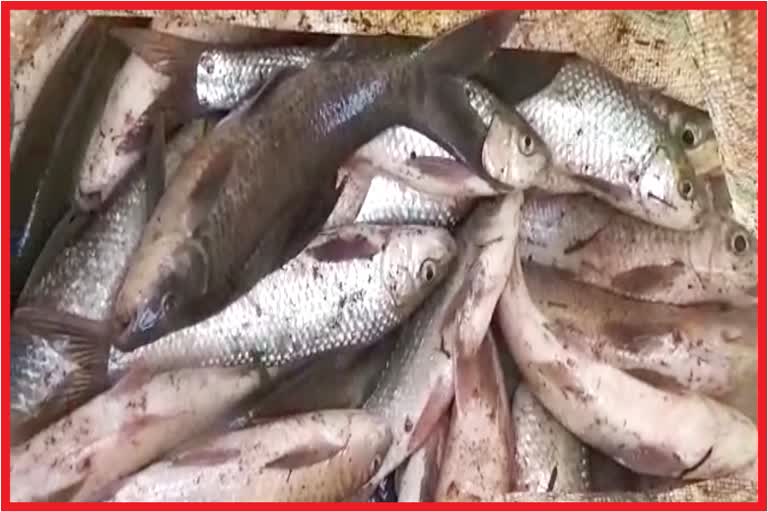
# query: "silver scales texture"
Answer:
x=306 y=307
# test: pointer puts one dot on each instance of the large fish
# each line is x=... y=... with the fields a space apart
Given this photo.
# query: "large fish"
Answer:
x=416 y=388
x=197 y=256
x=349 y=287
x=600 y=245
x=547 y=456
x=122 y=430
x=604 y=140
x=659 y=431
x=705 y=348
x=478 y=455
x=319 y=456
x=51 y=146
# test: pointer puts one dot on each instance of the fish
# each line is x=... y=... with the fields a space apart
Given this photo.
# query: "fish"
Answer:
x=354 y=189
x=605 y=141
x=604 y=247
x=333 y=106
x=80 y=456
x=479 y=455
x=662 y=431
x=704 y=348
x=719 y=490
x=53 y=369
x=318 y=456
x=340 y=379
x=349 y=287
x=548 y=458
x=50 y=149
x=690 y=126
x=416 y=388
x=416 y=478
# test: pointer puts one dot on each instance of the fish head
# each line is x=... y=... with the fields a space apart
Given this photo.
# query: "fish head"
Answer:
x=725 y=257
x=415 y=260
x=671 y=193
x=513 y=153
x=368 y=443
x=692 y=129
x=160 y=290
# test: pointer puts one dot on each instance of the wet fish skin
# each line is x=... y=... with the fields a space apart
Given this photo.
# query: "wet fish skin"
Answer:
x=416 y=388
x=690 y=126
x=50 y=148
x=705 y=348
x=661 y=431
x=602 y=246
x=606 y=142
x=319 y=456
x=416 y=478
x=349 y=287
x=82 y=454
x=547 y=456
x=335 y=106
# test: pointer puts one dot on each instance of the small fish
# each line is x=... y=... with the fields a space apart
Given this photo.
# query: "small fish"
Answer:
x=479 y=455
x=704 y=348
x=690 y=126
x=719 y=490
x=417 y=388
x=125 y=126
x=319 y=456
x=196 y=257
x=659 y=431
x=547 y=457
x=58 y=361
x=349 y=287
x=602 y=246
x=82 y=454
x=416 y=478
x=605 y=141
x=50 y=148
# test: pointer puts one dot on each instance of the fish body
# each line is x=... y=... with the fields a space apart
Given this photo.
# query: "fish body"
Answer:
x=607 y=142
x=349 y=287
x=478 y=454
x=547 y=456
x=50 y=149
x=599 y=245
x=416 y=387
x=704 y=348
x=333 y=106
x=319 y=456
x=660 y=431
x=82 y=454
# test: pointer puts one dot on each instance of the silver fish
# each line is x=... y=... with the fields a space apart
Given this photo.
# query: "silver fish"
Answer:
x=600 y=245
x=349 y=287
x=319 y=456
x=609 y=143
x=547 y=456
x=84 y=453
x=658 y=431
x=416 y=388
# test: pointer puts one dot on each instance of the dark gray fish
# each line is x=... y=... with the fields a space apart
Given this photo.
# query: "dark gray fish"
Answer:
x=278 y=155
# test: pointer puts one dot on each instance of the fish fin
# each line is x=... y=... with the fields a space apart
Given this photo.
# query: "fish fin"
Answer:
x=338 y=248
x=155 y=166
x=170 y=55
x=648 y=278
x=207 y=188
x=133 y=379
x=515 y=75
x=305 y=455
x=205 y=457
x=466 y=48
x=612 y=190
x=140 y=424
x=454 y=174
x=248 y=105
x=438 y=402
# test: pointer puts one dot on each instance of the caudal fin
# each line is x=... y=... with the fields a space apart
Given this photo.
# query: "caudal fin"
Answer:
x=464 y=50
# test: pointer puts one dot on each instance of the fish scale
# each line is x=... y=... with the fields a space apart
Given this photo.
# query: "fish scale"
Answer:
x=311 y=306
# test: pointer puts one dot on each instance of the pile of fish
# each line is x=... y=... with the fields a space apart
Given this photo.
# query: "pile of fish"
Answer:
x=306 y=268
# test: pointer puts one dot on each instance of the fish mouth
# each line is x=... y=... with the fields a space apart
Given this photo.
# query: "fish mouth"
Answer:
x=88 y=201
x=132 y=335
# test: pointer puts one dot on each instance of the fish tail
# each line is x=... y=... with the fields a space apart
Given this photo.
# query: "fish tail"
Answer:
x=463 y=50
x=87 y=346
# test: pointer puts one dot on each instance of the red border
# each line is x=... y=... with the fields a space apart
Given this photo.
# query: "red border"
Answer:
x=674 y=5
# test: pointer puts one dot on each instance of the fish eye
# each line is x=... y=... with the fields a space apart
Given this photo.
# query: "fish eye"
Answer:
x=689 y=136
x=168 y=302
x=428 y=270
x=739 y=243
x=686 y=189
x=526 y=145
